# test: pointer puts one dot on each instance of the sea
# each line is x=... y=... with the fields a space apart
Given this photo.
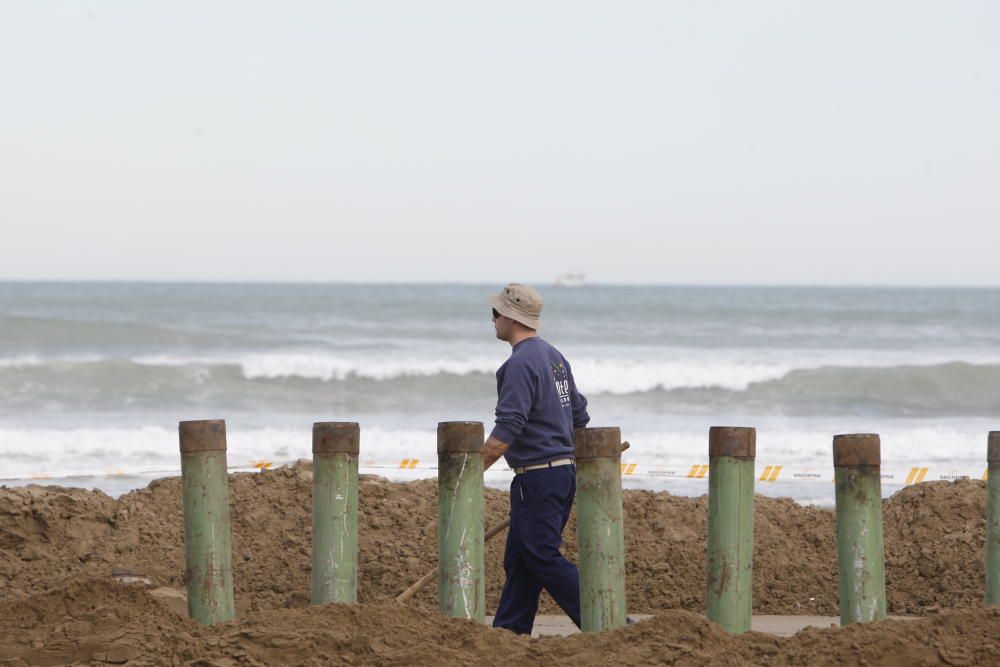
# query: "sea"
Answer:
x=94 y=377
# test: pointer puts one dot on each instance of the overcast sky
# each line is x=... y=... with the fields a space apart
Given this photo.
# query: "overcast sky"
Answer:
x=678 y=142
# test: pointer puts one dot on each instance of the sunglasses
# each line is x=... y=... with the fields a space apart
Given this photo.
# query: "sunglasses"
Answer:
x=496 y=315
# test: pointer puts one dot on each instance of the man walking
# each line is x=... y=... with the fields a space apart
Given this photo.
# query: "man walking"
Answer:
x=538 y=407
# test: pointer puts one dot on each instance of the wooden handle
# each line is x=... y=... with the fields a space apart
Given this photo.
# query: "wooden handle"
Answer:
x=492 y=532
x=429 y=577
x=417 y=587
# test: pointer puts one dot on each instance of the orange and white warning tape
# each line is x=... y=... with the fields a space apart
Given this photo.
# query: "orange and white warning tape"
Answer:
x=763 y=473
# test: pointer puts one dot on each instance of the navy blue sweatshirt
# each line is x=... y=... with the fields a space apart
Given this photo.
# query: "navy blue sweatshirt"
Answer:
x=538 y=405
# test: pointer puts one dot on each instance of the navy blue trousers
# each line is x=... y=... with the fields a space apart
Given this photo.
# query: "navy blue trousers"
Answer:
x=540 y=502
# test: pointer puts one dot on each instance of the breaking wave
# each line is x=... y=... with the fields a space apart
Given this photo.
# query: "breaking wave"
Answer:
x=304 y=380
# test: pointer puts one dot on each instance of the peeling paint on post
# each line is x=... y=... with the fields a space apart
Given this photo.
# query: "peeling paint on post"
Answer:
x=993 y=520
x=731 y=452
x=335 y=512
x=207 y=541
x=860 y=554
x=461 y=584
x=600 y=528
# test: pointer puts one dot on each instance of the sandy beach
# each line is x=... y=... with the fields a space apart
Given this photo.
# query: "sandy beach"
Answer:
x=60 y=604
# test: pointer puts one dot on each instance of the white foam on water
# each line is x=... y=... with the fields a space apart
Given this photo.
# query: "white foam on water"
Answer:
x=612 y=370
x=627 y=376
x=34 y=360
x=944 y=444
x=736 y=370
x=331 y=367
x=152 y=451
x=29 y=452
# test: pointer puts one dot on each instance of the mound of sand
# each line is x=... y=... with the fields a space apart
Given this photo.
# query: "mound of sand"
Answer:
x=49 y=535
x=935 y=543
x=101 y=621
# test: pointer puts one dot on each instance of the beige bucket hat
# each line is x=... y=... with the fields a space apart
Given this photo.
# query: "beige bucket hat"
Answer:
x=520 y=303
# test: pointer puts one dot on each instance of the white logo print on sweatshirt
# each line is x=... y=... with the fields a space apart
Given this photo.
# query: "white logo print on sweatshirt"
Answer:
x=561 y=377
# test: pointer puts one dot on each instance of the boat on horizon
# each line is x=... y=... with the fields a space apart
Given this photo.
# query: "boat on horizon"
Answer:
x=570 y=280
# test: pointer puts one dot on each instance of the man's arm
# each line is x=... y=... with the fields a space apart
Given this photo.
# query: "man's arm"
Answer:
x=493 y=449
x=578 y=401
x=516 y=394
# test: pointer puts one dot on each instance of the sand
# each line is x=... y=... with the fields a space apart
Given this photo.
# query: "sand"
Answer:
x=59 y=604
x=93 y=620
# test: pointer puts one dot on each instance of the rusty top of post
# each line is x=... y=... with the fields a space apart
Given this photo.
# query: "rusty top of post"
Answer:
x=203 y=435
x=336 y=438
x=739 y=442
x=598 y=443
x=857 y=449
x=460 y=437
x=993 y=448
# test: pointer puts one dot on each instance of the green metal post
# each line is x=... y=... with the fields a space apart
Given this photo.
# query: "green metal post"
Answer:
x=993 y=520
x=207 y=541
x=860 y=554
x=731 y=453
x=335 y=512
x=461 y=580
x=600 y=528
